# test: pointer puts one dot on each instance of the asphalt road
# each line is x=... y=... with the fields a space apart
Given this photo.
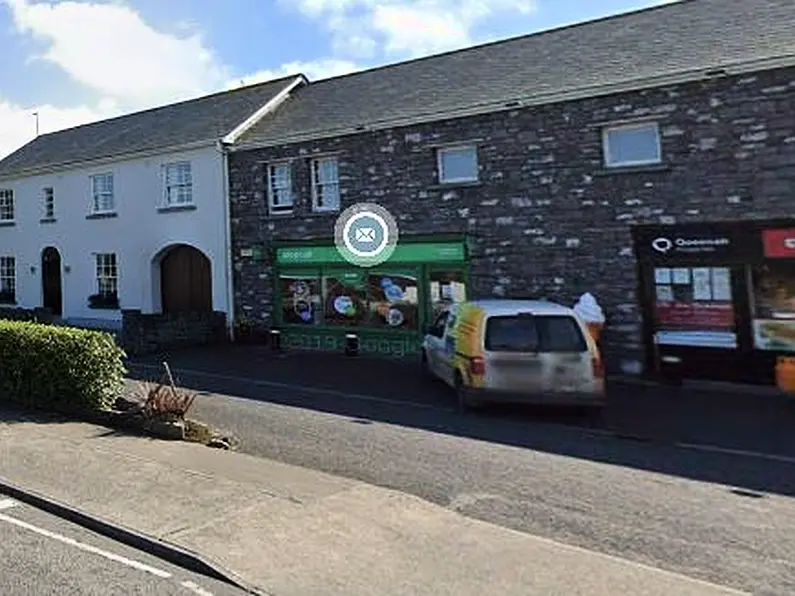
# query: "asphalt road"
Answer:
x=41 y=554
x=725 y=518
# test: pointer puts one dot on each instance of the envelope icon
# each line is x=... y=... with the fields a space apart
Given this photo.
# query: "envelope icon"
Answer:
x=365 y=235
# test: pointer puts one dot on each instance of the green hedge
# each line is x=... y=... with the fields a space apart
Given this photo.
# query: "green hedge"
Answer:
x=59 y=368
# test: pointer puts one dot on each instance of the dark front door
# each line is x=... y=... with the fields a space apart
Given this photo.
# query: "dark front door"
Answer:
x=51 y=280
x=185 y=281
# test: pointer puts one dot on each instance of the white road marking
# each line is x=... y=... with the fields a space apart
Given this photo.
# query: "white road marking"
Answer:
x=196 y=589
x=85 y=547
x=7 y=504
x=755 y=454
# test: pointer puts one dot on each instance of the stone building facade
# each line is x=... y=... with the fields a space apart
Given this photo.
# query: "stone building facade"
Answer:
x=546 y=218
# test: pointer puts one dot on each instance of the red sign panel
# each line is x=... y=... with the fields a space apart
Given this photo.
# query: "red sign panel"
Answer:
x=695 y=315
x=779 y=244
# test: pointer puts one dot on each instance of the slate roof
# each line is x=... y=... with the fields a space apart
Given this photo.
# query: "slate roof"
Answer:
x=687 y=35
x=206 y=118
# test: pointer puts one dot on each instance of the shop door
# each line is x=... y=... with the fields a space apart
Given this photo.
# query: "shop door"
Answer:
x=447 y=285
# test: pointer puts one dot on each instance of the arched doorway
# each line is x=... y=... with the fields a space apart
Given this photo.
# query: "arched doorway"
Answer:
x=52 y=295
x=185 y=280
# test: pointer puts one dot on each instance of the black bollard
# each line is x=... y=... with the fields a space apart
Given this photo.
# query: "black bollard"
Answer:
x=351 y=344
x=276 y=340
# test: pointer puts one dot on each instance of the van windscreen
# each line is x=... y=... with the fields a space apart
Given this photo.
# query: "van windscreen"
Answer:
x=544 y=333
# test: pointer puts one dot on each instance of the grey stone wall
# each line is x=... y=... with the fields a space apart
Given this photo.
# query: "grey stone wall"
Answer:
x=151 y=333
x=547 y=219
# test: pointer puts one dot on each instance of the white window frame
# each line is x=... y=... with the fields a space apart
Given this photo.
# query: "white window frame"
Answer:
x=48 y=196
x=610 y=163
x=98 y=196
x=7 y=205
x=275 y=204
x=106 y=273
x=8 y=280
x=318 y=185
x=183 y=183
x=440 y=153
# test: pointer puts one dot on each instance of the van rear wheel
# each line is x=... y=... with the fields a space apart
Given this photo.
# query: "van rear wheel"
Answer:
x=465 y=401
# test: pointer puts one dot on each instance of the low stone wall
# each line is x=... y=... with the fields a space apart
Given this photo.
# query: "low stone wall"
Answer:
x=14 y=313
x=152 y=333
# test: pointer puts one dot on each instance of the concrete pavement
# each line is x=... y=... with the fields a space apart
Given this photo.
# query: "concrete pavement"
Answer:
x=43 y=554
x=292 y=531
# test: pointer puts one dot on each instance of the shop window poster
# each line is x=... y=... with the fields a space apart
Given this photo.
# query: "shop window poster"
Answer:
x=446 y=288
x=300 y=299
x=774 y=307
x=344 y=299
x=393 y=300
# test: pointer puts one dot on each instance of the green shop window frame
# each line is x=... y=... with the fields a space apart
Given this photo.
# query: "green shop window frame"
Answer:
x=316 y=264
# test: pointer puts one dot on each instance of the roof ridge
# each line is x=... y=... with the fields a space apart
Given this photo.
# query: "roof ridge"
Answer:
x=506 y=40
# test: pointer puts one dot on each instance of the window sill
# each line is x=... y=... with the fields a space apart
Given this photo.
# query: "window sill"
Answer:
x=47 y=220
x=648 y=168
x=102 y=215
x=324 y=211
x=448 y=185
x=284 y=213
x=5 y=303
x=176 y=208
x=7 y=223
x=117 y=307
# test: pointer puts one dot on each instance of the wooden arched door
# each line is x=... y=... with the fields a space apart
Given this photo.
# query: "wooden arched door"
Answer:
x=185 y=280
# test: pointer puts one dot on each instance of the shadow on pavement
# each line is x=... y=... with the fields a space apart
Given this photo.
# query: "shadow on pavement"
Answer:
x=651 y=418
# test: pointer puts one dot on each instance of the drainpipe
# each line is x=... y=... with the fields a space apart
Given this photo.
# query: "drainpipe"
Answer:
x=230 y=291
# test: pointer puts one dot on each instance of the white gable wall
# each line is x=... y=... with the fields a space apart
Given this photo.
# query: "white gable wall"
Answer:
x=137 y=234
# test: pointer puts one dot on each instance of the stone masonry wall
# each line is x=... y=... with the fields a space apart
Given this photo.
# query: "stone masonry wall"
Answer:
x=548 y=220
x=150 y=333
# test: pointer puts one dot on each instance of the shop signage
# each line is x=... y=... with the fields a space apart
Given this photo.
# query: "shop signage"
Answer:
x=680 y=244
x=429 y=252
x=779 y=243
x=669 y=244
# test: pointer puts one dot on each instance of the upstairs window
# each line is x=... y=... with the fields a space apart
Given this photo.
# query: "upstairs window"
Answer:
x=48 y=197
x=8 y=280
x=632 y=145
x=179 y=184
x=325 y=185
x=102 y=193
x=6 y=205
x=280 y=188
x=457 y=164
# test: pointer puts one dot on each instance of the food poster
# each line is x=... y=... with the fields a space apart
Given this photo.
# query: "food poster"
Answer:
x=300 y=298
x=774 y=306
x=393 y=299
x=344 y=298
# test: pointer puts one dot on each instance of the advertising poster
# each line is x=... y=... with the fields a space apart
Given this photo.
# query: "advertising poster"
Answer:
x=344 y=298
x=393 y=300
x=702 y=283
x=300 y=299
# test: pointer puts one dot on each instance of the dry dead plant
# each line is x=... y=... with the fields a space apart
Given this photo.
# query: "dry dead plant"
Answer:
x=164 y=400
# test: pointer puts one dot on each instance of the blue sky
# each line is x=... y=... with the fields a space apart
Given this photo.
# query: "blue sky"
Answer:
x=77 y=61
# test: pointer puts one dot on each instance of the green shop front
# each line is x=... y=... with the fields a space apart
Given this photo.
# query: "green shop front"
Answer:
x=320 y=297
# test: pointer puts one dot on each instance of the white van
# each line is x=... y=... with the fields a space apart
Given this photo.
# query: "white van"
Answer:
x=514 y=351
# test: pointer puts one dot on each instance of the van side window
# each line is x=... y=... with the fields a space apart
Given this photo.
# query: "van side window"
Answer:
x=534 y=334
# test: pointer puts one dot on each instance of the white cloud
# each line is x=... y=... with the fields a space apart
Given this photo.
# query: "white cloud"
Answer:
x=320 y=69
x=125 y=62
x=407 y=27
